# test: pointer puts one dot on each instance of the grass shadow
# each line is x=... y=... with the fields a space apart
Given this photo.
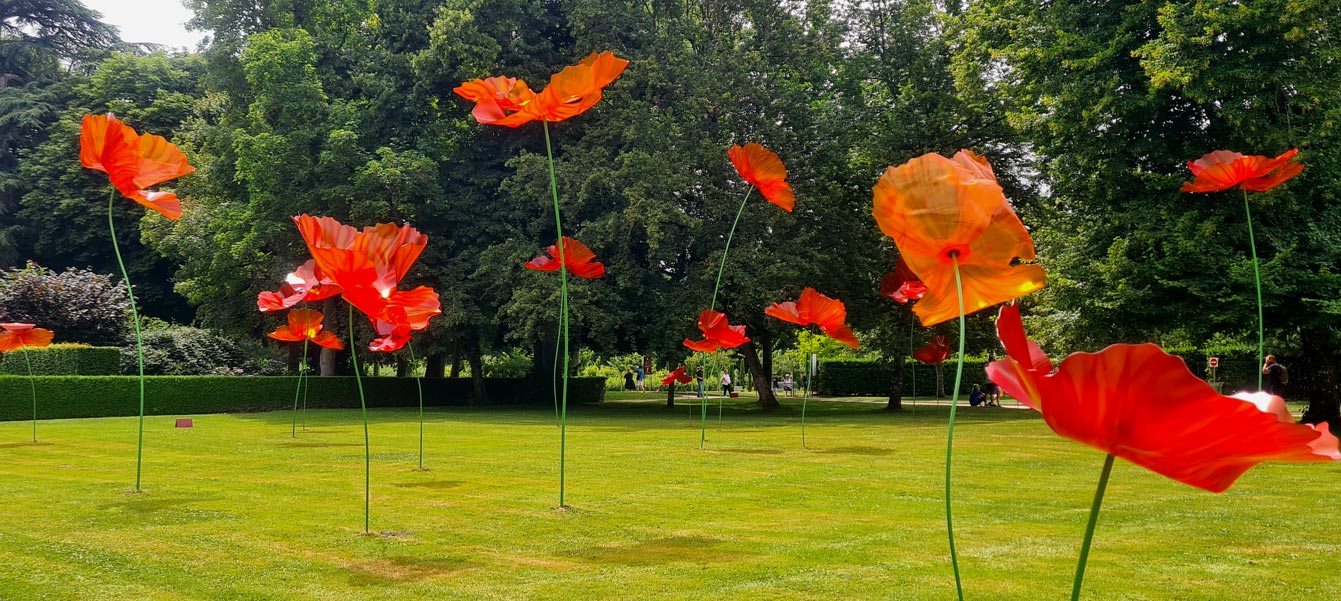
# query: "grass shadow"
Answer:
x=674 y=549
x=431 y=484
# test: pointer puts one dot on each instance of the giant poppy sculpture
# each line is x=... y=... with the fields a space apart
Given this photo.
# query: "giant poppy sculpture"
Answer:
x=368 y=267
x=509 y=102
x=1137 y=402
x=959 y=235
x=762 y=169
x=581 y=262
x=1224 y=170
x=302 y=285
x=133 y=163
x=829 y=314
x=305 y=325
x=21 y=337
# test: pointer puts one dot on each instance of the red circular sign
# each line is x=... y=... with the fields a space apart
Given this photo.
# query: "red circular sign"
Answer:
x=1215 y=362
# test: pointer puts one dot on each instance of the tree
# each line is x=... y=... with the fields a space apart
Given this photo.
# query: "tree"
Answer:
x=1115 y=98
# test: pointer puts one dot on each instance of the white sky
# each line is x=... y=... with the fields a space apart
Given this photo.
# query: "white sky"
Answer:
x=155 y=21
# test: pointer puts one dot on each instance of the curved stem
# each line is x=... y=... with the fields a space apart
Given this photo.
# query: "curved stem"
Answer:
x=32 y=382
x=950 y=436
x=305 y=381
x=563 y=309
x=727 y=250
x=804 y=400
x=419 y=384
x=1257 y=278
x=367 y=452
x=139 y=339
x=1089 y=528
x=911 y=325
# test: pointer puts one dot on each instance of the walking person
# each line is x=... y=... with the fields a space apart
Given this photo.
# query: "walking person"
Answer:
x=726 y=383
x=698 y=375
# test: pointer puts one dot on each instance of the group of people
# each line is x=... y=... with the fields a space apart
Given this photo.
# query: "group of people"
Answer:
x=987 y=395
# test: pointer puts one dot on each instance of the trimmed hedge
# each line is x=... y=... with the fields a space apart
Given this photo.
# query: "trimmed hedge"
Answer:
x=64 y=360
x=115 y=396
x=870 y=377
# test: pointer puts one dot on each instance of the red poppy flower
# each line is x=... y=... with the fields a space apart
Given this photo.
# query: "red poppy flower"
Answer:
x=936 y=351
x=305 y=324
x=939 y=210
x=509 y=102
x=902 y=284
x=677 y=376
x=367 y=266
x=717 y=333
x=827 y=313
x=1223 y=169
x=765 y=171
x=305 y=284
x=18 y=335
x=132 y=161
x=1137 y=402
x=390 y=336
x=580 y=260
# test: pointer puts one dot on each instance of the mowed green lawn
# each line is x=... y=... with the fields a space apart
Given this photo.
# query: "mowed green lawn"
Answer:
x=236 y=509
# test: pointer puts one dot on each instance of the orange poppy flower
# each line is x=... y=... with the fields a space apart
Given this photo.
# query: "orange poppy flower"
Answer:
x=763 y=169
x=939 y=210
x=305 y=284
x=902 y=284
x=367 y=267
x=717 y=333
x=677 y=376
x=17 y=335
x=1223 y=169
x=827 y=313
x=580 y=260
x=1137 y=402
x=509 y=102
x=305 y=324
x=132 y=161
x=936 y=351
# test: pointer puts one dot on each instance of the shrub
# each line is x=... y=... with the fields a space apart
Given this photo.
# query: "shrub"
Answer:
x=64 y=360
x=176 y=350
x=116 y=396
x=514 y=363
x=870 y=377
x=77 y=304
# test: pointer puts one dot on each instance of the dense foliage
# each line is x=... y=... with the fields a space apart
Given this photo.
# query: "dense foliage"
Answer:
x=1088 y=112
x=77 y=304
x=63 y=360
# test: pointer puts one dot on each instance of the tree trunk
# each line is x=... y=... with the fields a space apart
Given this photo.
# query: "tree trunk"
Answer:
x=1316 y=378
x=333 y=324
x=295 y=357
x=402 y=367
x=435 y=365
x=763 y=377
x=940 y=380
x=898 y=358
x=670 y=394
x=476 y=359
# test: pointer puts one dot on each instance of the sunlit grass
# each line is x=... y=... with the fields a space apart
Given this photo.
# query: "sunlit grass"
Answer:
x=236 y=509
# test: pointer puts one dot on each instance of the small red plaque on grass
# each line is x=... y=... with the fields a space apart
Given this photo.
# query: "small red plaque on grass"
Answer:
x=185 y=423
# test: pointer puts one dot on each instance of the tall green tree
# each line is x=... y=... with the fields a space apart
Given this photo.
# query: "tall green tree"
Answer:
x=1115 y=98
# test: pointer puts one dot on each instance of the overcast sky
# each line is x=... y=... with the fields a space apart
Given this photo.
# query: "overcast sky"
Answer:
x=156 y=21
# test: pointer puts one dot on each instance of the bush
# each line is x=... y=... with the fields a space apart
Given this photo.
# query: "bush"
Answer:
x=870 y=377
x=514 y=363
x=77 y=304
x=64 y=360
x=116 y=396
x=176 y=350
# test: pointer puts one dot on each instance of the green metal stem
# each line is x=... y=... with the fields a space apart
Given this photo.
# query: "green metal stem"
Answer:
x=911 y=325
x=805 y=400
x=304 y=380
x=139 y=339
x=1257 y=279
x=367 y=448
x=563 y=308
x=1089 y=528
x=32 y=382
x=703 y=427
x=950 y=436
x=419 y=384
x=293 y=426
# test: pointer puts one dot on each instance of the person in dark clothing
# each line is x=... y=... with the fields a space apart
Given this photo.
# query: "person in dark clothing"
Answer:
x=1274 y=376
x=628 y=379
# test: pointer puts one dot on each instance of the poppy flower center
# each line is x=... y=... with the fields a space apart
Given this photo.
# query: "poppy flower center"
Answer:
x=953 y=251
